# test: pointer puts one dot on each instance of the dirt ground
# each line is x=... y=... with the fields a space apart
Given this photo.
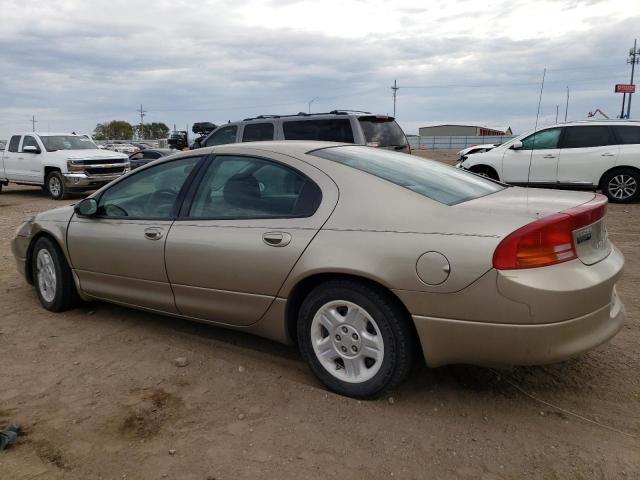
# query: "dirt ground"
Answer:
x=100 y=397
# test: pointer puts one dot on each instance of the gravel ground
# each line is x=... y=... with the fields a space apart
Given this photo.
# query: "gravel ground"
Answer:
x=100 y=396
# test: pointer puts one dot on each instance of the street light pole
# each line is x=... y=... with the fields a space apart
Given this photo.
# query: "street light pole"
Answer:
x=311 y=101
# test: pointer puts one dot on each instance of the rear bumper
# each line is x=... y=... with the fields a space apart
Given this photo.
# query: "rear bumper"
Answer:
x=457 y=341
x=84 y=181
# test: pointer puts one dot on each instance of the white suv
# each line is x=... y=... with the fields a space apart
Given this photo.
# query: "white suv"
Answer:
x=586 y=155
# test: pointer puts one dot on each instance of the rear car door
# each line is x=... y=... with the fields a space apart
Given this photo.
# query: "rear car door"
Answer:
x=243 y=227
x=628 y=140
x=118 y=255
x=13 y=166
x=536 y=162
x=587 y=151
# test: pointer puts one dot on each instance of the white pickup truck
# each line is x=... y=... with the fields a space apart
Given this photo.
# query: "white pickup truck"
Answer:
x=59 y=162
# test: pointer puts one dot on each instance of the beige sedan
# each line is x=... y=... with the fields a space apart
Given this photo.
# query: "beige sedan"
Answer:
x=362 y=257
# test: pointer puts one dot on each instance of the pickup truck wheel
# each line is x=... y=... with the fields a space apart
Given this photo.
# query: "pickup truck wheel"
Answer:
x=54 y=185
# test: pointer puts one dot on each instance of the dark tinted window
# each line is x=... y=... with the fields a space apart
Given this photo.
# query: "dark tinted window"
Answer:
x=582 y=137
x=382 y=131
x=246 y=187
x=434 y=180
x=150 y=155
x=29 y=141
x=13 y=143
x=627 y=134
x=542 y=140
x=152 y=193
x=331 y=130
x=222 y=136
x=256 y=132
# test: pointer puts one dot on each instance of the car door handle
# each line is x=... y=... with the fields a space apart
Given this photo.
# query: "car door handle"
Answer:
x=608 y=154
x=153 y=233
x=276 y=239
x=549 y=156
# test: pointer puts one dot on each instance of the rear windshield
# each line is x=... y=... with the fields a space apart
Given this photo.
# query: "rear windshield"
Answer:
x=330 y=130
x=66 y=142
x=383 y=131
x=432 y=179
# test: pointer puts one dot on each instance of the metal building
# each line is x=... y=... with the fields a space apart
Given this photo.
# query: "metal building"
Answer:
x=462 y=131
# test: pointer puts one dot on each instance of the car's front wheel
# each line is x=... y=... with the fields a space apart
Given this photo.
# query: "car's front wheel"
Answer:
x=52 y=276
x=622 y=185
x=54 y=185
x=355 y=338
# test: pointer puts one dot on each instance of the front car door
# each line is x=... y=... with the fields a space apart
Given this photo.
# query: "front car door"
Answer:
x=536 y=162
x=587 y=151
x=31 y=166
x=241 y=232
x=118 y=255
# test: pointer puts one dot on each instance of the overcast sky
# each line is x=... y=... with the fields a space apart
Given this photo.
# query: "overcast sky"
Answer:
x=73 y=64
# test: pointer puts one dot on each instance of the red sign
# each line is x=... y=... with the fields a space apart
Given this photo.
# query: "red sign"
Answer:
x=625 y=88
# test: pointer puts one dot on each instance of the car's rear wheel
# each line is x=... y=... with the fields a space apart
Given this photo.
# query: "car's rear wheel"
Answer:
x=54 y=185
x=622 y=185
x=355 y=338
x=52 y=276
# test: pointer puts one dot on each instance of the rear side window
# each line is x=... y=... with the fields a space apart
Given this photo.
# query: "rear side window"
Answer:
x=434 y=180
x=257 y=132
x=13 y=143
x=382 y=131
x=584 y=137
x=330 y=130
x=627 y=134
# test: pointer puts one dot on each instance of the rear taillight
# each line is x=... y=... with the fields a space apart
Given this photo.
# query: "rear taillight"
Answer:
x=549 y=240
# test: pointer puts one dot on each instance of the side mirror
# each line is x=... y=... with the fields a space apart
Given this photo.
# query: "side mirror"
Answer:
x=87 y=207
x=30 y=149
x=516 y=145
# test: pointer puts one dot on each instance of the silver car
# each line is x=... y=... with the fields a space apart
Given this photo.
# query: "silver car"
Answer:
x=362 y=257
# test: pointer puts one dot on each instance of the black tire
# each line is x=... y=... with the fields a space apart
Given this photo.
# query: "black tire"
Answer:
x=65 y=295
x=485 y=172
x=393 y=325
x=54 y=186
x=621 y=185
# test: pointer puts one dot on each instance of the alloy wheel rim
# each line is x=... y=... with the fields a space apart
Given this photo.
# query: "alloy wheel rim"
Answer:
x=347 y=341
x=54 y=186
x=46 y=274
x=623 y=186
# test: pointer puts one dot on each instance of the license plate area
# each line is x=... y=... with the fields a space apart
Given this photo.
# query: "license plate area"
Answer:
x=592 y=242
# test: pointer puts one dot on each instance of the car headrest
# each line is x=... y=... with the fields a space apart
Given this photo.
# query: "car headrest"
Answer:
x=242 y=190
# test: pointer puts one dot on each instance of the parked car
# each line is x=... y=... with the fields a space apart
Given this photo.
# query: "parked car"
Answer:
x=359 y=256
x=465 y=152
x=346 y=126
x=60 y=162
x=579 y=155
x=147 y=155
x=122 y=148
x=142 y=145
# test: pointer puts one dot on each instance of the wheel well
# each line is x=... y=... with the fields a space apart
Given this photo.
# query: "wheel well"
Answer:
x=480 y=168
x=306 y=285
x=32 y=244
x=616 y=168
x=48 y=170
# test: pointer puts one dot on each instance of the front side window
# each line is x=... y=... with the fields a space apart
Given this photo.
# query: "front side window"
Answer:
x=236 y=187
x=584 y=137
x=151 y=194
x=257 y=132
x=13 y=143
x=627 y=134
x=53 y=143
x=542 y=140
x=223 y=136
x=29 y=141
x=431 y=179
x=329 y=130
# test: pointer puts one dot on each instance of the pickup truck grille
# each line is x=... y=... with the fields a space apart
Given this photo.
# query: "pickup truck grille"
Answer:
x=105 y=170
x=101 y=161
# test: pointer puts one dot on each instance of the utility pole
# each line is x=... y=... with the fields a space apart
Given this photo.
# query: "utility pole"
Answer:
x=633 y=59
x=142 y=115
x=566 y=109
x=395 y=89
x=33 y=123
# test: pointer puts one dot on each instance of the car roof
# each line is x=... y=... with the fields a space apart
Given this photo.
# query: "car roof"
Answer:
x=290 y=147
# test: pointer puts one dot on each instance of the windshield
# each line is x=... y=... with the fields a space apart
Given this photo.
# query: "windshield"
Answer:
x=53 y=143
x=383 y=131
x=439 y=182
